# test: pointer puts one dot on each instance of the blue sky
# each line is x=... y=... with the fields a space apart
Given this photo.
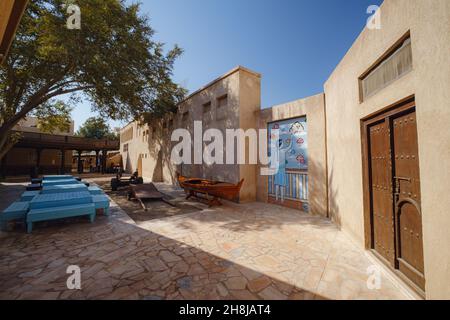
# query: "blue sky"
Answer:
x=294 y=44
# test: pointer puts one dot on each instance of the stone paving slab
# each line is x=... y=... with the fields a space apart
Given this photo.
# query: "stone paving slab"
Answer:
x=249 y=251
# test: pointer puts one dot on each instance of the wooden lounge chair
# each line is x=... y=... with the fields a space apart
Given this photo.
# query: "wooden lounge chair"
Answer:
x=118 y=181
x=146 y=191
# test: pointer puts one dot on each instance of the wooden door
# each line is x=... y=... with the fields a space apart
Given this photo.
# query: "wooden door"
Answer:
x=409 y=253
x=381 y=191
x=393 y=186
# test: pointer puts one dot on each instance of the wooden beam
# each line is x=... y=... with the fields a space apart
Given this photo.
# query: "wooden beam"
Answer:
x=11 y=12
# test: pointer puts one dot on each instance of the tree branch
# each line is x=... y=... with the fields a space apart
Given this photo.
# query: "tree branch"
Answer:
x=35 y=100
x=60 y=92
x=62 y=84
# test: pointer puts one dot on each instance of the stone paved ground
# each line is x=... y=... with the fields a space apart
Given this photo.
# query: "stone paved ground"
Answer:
x=251 y=251
x=157 y=209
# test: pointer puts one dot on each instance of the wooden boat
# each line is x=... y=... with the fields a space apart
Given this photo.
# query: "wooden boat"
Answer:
x=210 y=189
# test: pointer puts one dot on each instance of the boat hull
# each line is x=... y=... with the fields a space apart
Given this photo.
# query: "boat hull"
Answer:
x=217 y=189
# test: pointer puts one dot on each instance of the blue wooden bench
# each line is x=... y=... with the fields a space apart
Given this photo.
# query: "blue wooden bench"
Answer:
x=34 y=187
x=17 y=210
x=57 y=177
x=101 y=202
x=52 y=213
x=29 y=195
x=60 y=199
x=95 y=190
x=64 y=188
x=46 y=183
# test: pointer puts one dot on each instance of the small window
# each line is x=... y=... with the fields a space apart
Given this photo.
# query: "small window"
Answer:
x=125 y=147
x=221 y=110
x=207 y=114
x=393 y=66
x=185 y=117
x=222 y=101
x=171 y=124
x=207 y=107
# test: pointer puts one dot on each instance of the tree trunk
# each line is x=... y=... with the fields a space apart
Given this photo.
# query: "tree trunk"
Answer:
x=5 y=146
x=6 y=140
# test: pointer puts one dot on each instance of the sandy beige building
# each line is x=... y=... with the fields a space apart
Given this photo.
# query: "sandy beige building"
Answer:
x=228 y=102
x=425 y=84
x=372 y=151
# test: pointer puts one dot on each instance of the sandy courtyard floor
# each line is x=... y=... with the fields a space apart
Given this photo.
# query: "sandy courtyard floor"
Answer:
x=247 y=251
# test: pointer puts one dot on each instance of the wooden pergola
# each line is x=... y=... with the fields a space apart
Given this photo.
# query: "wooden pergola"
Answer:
x=41 y=141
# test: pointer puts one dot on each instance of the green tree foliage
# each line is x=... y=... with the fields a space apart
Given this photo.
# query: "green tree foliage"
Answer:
x=96 y=128
x=54 y=117
x=112 y=60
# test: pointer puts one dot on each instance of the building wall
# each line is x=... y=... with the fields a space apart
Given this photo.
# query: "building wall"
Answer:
x=137 y=145
x=250 y=103
x=242 y=88
x=314 y=110
x=428 y=23
x=31 y=124
x=218 y=118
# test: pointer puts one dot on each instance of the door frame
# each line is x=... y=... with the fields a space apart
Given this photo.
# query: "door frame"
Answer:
x=396 y=108
x=403 y=105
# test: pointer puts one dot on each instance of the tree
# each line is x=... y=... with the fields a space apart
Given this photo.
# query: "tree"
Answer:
x=54 y=117
x=112 y=60
x=96 y=128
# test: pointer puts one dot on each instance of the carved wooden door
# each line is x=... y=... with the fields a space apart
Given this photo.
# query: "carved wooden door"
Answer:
x=394 y=188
